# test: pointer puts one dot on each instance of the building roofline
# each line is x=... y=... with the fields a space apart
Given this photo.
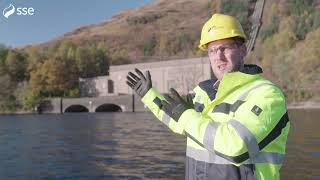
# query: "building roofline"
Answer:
x=94 y=78
x=159 y=64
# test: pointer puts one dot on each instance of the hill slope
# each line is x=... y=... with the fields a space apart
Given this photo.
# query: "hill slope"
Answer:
x=287 y=47
x=162 y=28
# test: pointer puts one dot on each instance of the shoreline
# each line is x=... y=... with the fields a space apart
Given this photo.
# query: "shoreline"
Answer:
x=304 y=105
x=291 y=106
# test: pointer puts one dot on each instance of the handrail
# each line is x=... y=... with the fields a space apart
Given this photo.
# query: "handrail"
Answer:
x=256 y=24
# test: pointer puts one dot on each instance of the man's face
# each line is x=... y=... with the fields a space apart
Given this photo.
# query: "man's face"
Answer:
x=225 y=56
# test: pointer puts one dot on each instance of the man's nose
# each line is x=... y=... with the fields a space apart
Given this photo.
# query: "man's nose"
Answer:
x=220 y=55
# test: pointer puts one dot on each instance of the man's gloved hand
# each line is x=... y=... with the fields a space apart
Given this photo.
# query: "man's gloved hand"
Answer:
x=175 y=105
x=141 y=84
x=189 y=101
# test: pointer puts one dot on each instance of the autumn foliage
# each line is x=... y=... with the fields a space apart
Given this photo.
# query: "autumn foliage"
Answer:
x=287 y=48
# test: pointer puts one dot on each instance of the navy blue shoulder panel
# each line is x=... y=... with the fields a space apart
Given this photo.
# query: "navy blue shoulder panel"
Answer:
x=207 y=86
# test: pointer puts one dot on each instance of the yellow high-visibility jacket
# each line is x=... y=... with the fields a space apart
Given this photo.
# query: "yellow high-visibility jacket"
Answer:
x=238 y=131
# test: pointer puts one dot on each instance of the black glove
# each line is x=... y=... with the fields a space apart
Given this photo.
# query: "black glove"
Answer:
x=174 y=105
x=141 y=84
x=189 y=100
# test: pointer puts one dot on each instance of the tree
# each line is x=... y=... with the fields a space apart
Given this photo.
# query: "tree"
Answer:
x=305 y=64
x=84 y=64
x=54 y=77
x=35 y=57
x=120 y=57
x=59 y=77
x=3 y=57
x=149 y=46
x=66 y=50
x=16 y=65
x=100 y=60
x=5 y=89
x=298 y=7
x=238 y=8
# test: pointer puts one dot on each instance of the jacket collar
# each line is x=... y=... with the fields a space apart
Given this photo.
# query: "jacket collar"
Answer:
x=234 y=80
x=251 y=69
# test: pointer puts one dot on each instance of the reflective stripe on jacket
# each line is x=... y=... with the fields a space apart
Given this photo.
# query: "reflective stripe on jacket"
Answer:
x=238 y=132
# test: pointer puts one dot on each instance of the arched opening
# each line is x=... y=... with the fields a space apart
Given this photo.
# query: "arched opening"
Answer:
x=109 y=108
x=76 y=108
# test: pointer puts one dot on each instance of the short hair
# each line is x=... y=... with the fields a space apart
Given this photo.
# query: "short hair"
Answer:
x=239 y=41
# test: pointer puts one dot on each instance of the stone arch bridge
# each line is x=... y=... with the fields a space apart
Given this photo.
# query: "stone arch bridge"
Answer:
x=122 y=103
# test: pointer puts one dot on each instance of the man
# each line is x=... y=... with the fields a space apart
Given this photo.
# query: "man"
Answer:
x=238 y=125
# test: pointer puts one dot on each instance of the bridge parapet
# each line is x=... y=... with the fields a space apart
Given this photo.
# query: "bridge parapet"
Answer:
x=123 y=103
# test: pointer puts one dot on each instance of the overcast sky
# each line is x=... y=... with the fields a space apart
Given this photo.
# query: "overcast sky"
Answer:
x=53 y=18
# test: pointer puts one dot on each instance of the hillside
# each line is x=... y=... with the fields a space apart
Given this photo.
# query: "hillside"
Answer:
x=171 y=29
x=163 y=28
x=287 y=47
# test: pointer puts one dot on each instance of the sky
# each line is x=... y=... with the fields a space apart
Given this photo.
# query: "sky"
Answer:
x=50 y=19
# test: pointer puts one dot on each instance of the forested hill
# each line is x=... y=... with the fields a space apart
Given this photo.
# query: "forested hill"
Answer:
x=287 y=47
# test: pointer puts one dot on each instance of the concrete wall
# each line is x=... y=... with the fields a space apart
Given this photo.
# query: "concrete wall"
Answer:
x=51 y=105
x=183 y=75
x=97 y=86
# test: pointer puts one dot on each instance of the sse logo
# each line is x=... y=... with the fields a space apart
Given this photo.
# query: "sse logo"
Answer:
x=21 y=11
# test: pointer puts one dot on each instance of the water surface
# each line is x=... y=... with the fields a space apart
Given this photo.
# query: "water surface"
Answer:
x=124 y=146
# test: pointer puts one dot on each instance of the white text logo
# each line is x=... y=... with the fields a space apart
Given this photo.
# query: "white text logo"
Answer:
x=21 y=11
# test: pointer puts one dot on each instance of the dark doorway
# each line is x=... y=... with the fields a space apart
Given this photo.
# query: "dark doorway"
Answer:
x=110 y=86
x=76 y=108
x=108 y=108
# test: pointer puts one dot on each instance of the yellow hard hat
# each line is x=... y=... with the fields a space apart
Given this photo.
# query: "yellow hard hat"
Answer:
x=220 y=26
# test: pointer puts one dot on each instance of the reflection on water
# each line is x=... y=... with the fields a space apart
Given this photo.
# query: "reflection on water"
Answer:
x=89 y=146
x=124 y=146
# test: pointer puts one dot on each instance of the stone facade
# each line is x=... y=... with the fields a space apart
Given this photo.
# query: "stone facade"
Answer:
x=96 y=87
x=183 y=75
